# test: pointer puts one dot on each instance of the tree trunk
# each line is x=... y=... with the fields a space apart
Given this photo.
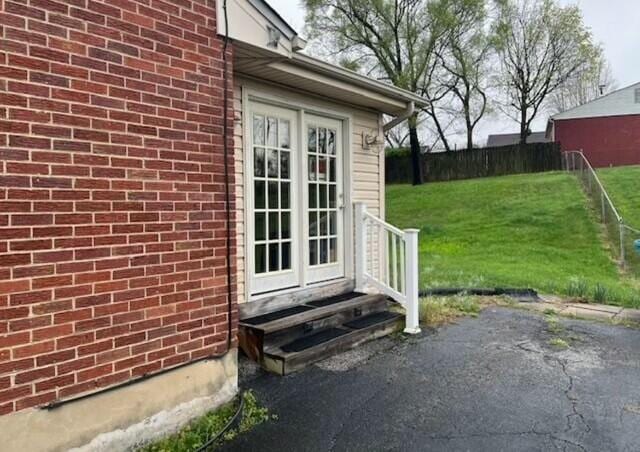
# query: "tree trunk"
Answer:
x=469 y=132
x=524 y=132
x=416 y=164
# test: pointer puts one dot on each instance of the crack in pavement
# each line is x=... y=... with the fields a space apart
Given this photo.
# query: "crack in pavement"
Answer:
x=528 y=347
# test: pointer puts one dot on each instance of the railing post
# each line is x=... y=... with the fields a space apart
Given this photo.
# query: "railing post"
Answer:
x=361 y=245
x=412 y=272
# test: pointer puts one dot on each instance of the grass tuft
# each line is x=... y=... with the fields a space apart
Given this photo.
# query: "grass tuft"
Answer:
x=435 y=311
x=558 y=343
x=199 y=431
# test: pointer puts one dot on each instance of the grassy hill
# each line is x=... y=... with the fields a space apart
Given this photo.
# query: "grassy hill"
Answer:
x=516 y=231
x=623 y=185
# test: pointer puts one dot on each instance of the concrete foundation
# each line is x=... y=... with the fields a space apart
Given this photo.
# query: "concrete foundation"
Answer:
x=125 y=418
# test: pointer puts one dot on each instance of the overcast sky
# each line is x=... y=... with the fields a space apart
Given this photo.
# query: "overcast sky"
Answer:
x=614 y=23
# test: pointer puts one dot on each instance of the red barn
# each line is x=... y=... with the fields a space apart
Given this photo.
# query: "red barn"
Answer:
x=607 y=129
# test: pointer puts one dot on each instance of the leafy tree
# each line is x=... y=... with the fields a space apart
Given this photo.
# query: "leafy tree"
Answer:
x=389 y=39
x=541 y=45
x=464 y=56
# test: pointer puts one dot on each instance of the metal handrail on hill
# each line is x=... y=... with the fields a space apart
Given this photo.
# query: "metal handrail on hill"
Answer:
x=577 y=162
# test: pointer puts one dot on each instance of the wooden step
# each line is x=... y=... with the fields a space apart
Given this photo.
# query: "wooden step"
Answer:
x=285 y=325
x=305 y=313
x=304 y=351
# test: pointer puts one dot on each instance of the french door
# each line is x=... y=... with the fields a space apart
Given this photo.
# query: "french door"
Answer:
x=295 y=201
x=324 y=199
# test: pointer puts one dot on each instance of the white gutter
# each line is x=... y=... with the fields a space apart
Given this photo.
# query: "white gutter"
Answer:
x=411 y=109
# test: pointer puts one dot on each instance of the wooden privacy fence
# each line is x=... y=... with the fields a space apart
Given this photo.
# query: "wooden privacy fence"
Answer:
x=468 y=164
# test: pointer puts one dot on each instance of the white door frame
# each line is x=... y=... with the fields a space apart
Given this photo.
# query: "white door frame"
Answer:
x=302 y=107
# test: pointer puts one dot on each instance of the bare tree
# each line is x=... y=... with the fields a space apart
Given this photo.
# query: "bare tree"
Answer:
x=390 y=39
x=594 y=80
x=541 y=45
x=464 y=56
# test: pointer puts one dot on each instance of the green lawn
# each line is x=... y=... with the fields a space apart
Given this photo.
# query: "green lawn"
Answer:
x=516 y=231
x=623 y=185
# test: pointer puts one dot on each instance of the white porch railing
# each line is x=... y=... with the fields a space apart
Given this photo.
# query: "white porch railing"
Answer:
x=387 y=260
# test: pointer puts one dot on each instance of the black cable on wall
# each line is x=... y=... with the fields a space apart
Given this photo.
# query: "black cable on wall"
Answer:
x=227 y=189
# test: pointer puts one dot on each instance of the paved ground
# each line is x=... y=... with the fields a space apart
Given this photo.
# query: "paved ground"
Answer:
x=488 y=384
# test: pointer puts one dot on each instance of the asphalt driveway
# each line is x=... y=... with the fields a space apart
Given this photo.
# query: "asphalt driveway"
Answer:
x=495 y=383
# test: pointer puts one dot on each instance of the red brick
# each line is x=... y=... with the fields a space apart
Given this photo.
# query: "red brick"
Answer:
x=110 y=204
x=33 y=350
x=57 y=357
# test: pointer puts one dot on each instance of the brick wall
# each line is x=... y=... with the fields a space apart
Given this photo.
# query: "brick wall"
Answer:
x=112 y=222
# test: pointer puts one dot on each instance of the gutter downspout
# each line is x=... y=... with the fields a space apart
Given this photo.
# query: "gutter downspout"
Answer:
x=411 y=109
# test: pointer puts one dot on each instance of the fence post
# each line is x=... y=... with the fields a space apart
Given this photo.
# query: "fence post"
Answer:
x=361 y=245
x=412 y=272
x=622 y=250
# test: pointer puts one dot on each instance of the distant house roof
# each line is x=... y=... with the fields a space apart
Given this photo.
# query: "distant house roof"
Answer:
x=510 y=139
x=623 y=102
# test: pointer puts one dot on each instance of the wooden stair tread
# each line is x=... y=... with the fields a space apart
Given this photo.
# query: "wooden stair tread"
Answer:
x=282 y=362
x=313 y=313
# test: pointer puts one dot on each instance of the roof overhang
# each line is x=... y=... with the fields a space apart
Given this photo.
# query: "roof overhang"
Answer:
x=316 y=77
x=267 y=48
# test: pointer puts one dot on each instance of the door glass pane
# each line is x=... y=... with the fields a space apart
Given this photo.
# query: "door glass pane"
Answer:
x=260 y=227
x=272 y=163
x=323 y=196
x=285 y=225
x=313 y=252
x=313 y=224
x=333 y=250
x=274 y=257
x=258 y=129
x=260 y=198
x=333 y=226
x=331 y=142
x=332 y=170
x=313 y=196
x=284 y=195
x=273 y=195
x=312 y=139
x=274 y=228
x=322 y=168
x=258 y=162
x=272 y=132
x=284 y=164
x=332 y=196
x=312 y=168
x=324 y=255
x=261 y=259
x=322 y=141
x=324 y=222
x=286 y=256
x=285 y=134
